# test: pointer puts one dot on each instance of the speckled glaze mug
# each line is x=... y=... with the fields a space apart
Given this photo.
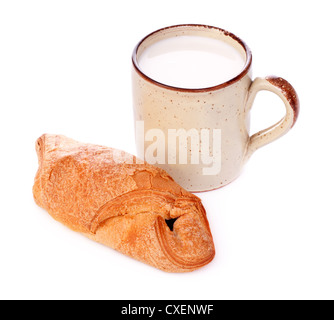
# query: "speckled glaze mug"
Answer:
x=211 y=124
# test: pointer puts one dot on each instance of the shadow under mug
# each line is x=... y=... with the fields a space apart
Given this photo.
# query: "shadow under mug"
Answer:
x=201 y=136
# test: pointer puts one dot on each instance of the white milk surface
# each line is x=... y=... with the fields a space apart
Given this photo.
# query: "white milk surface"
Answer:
x=191 y=62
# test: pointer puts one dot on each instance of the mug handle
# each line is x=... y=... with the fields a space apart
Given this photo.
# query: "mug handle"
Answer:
x=289 y=96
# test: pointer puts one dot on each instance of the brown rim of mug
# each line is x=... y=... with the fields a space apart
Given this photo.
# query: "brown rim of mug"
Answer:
x=216 y=87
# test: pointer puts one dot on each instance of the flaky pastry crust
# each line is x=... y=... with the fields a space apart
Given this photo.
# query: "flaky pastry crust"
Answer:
x=122 y=202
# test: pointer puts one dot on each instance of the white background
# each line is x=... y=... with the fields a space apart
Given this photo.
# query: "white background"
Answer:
x=65 y=68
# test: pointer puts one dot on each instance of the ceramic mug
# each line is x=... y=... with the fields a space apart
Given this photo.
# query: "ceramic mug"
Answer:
x=201 y=136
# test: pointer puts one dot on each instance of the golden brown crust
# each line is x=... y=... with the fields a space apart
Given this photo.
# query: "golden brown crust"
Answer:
x=116 y=199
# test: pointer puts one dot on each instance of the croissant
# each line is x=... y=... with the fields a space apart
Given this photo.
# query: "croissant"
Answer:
x=122 y=202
